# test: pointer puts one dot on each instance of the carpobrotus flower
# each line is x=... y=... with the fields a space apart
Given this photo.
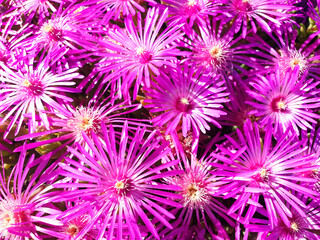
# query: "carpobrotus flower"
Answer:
x=187 y=95
x=255 y=168
x=284 y=100
x=124 y=182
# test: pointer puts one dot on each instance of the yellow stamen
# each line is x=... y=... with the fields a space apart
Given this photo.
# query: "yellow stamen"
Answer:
x=184 y=101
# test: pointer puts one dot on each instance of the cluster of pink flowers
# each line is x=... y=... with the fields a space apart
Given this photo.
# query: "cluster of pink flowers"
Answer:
x=160 y=119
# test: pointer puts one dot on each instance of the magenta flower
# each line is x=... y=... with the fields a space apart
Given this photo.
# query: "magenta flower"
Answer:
x=192 y=11
x=68 y=28
x=306 y=227
x=187 y=95
x=136 y=53
x=287 y=55
x=70 y=124
x=76 y=216
x=256 y=168
x=284 y=100
x=24 y=209
x=121 y=8
x=123 y=181
x=219 y=51
x=31 y=8
x=33 y=90
x=267 y=14
x=200 y=207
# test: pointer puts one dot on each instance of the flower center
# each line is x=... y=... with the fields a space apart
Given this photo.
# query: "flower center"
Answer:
x=72 y=230
x=32 y=87
x=243 y=5
x=279 y=104
x=294 y=226
x=262 y=175
x=51 y=33
x=14 y=216
x=122 y=187
x=87 y=120
x=143 y=55
x=192 y=3
x=290 y=58
x=193 y=192
x=191 y=8
x=195 y=195
x=184 y=105
x=74 y=226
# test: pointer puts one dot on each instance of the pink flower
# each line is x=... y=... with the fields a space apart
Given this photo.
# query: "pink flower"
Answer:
x=284 y=100
x=136 y=53
x=123 y=181
x=33 y=89
x=256 y=168
x=186 y=95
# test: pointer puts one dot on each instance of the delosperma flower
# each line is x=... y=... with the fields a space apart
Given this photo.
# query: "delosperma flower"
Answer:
x=23 y=206
x=216 y=49
x=200 y=207
x=288 y=54
x=284 y=100
x=266 y=14
x=192 y=11
x=299 y=227
x=123 y=8
x=33 y=7
x=187 y=95
x=255 y=168
x=34 y=88
x=66 y=28
x=71 y=124
x=73 y=220
x=124 y=180
x=136 y=53
x=159 y=119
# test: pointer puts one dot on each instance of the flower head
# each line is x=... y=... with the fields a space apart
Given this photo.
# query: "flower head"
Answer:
x=264 y=13
x=288 y=54
x=255 y=167
x=137 y=53
x=186 y=95
x=32 y=89
x=218 y=51
x=68 y=126
x=23 y=206
x=284 y=100
x=123 y=182
x=200 y=206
